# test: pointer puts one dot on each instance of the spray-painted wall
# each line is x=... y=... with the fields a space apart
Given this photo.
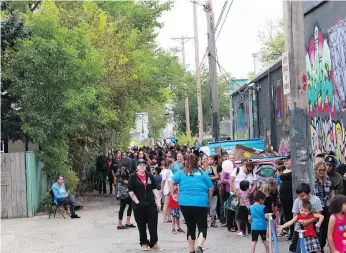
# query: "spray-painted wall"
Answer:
x=325 y=43
x=268 y=109
x=241 y=111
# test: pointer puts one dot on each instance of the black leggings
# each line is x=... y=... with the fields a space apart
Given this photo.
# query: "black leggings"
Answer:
x=286 y=205
x=230 y=219
x=324 y=228
x=195 y=215
x=123 y=203
x=244 y=217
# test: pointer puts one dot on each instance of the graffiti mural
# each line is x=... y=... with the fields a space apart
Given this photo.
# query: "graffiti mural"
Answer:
x=241 y=130
x=326 y=74
x=278 y=102
x=264 y=169
x=321 y=97
x=337 y=36
x=328 y=135
x=284 y=147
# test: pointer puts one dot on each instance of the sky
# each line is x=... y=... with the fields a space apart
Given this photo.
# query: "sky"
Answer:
x=238 y=39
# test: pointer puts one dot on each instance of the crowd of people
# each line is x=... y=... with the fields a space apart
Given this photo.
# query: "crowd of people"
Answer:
x=213 y=191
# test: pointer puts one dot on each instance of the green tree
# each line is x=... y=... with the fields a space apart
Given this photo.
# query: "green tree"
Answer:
x=87 y=68
x=12 y=30
x=54 y=73
x=272 y=41
x=223 y=92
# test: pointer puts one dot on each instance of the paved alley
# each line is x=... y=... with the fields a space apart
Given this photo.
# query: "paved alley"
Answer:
x=96 y=232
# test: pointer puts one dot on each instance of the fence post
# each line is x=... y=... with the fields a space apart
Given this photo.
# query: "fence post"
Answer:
x=272 y=234
x=301 y=242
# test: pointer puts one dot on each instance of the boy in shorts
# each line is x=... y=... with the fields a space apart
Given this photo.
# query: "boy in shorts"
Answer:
x=258 y=217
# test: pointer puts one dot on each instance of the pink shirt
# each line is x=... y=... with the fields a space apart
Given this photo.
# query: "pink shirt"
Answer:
x=339 y=234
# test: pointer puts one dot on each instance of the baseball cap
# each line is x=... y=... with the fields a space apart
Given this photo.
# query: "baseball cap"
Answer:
x=140 y=161
x=286 y=157
x=330 y=160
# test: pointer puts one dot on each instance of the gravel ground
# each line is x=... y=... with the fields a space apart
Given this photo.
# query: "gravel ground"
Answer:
x=96 y=232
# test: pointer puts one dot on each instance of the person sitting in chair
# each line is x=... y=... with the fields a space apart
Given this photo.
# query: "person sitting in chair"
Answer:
x=61 y=196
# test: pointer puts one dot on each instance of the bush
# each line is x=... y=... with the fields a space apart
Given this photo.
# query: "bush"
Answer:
x=183 y=139
x=45 y=202
x=71 y=181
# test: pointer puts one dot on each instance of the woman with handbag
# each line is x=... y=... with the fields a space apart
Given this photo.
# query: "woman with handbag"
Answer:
x=214 y=171
x=122 y=176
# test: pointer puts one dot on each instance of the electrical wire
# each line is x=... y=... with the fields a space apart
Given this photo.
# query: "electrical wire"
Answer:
x=207 y=50
x=221 y=14
x=229 y=8
x=227 y=74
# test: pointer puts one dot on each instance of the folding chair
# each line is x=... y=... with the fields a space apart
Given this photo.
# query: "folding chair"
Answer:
x=57 y=206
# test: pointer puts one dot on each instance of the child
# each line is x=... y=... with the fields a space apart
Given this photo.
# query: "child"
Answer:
x=312 y=243
x=258 y=217
x=278 y=211
x=244 y=206
x=175 y=211
x=268 y=189
x=337 y=225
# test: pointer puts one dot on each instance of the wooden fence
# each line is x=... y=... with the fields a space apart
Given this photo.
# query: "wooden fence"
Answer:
x=13 y=186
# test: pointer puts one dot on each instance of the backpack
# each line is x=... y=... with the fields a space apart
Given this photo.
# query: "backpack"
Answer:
x=238 y=169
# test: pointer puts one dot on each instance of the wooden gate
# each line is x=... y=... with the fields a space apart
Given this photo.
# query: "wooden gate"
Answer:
x=13 y=186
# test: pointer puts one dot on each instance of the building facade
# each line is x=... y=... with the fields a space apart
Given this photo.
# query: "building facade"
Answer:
x=259 y=109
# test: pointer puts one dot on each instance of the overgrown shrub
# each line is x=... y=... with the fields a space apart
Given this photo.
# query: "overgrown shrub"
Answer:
x=183 y=139
x=45 y=202
x=71 y=181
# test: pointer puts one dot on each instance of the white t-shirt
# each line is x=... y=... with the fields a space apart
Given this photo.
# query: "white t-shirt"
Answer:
x=242 y=176
x=166 y=175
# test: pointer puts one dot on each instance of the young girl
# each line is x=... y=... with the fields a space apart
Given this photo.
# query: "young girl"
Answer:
x=269 y=190
x=337 y=225
x=258 y=217
x=311 y=241
x=175 y=211
x=244 y=206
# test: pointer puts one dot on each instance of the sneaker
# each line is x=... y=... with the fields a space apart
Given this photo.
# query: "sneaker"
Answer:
x=240 y=234
x=199 y=250
x=213 y=225
x=130 y=226
x=224 y=225
x=157 y=247
x=75 y=216
x=281 y=234
x=233 y=229
x=180 y=230
x=174 y=231
x=144 y=247
x=121 y=227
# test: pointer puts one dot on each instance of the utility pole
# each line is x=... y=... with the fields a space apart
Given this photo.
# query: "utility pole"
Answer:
x=294 y=72
x=198 y=80
x=212 y=72
x=183 y=40
x=255 y=56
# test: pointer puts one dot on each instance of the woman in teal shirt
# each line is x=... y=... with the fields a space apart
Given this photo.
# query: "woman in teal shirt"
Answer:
x=195 y=193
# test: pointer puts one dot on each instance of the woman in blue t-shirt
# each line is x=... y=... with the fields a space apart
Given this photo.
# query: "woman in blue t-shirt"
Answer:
x=195 y=193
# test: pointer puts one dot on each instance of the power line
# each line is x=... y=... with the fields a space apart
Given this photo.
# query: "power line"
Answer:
x=207 y=50
x=224 y=19
x=226 y=73
x=221 y=14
